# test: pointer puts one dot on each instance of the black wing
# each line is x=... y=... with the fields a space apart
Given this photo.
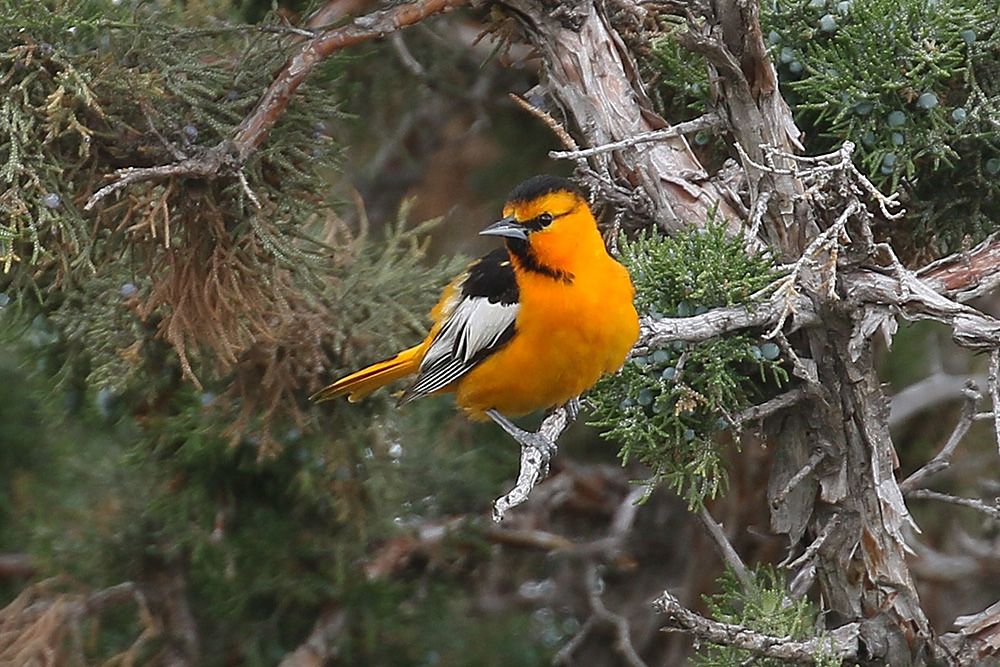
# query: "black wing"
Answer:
x=479 y=321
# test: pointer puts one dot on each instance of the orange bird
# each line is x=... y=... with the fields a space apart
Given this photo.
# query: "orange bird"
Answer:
x=528 y=327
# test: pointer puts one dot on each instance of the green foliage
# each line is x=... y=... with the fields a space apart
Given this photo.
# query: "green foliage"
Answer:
x=680 y=77
x=915 y=84
x=676 y=397
x=201 y=264
x=765 y=606
x=119 y=467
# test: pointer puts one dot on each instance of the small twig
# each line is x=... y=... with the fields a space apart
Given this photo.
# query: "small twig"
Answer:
x=813 y=547
x=725 y=548
x=208 y=164
x=814 y=460
x=751 y=234
x=994 y=386
x=842 y=642
x=546 y=118
x=834 y=161
x=769 y=407
x=709 y=121
x=761 y=167
x=838 y=160
x=287 y=29
x=251 y=195
x=623 y=632
x=990 y=510
x=535 y=462
x=943 y=458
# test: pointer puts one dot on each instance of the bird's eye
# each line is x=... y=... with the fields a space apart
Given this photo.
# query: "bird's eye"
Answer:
x=545 y=219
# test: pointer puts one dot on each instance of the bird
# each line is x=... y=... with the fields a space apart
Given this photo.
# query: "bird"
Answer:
x=530 y=326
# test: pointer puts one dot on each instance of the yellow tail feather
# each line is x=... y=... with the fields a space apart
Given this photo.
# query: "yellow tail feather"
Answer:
x=360 y=384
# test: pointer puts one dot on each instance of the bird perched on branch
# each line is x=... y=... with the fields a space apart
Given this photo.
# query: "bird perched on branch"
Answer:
x=529 y=326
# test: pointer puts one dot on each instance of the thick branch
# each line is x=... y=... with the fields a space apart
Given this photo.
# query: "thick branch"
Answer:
x=255 y=127
x=966 y=275
x=534 y=461
x=595 y=80
x=842 y=642
x=916 y=299
x=230 y=154
x=719 y=321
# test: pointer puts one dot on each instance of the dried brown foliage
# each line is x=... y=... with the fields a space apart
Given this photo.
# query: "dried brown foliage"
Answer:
x=47 y=625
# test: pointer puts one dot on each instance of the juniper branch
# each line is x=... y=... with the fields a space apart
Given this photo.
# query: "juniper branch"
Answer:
x=534 y=461
x=842 y=642
x=943 y=458
x=230 y=154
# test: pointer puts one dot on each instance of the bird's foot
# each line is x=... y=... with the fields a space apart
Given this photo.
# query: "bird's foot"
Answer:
x=536 y=440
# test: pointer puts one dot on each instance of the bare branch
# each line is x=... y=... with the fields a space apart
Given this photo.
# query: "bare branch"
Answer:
x=601 y=615
x=806 y=470
x=990 y=510
x=994 y=385
x=842 y=642
x=707 y=122
x=810 y=551
x=535 y=461
x=210 y=163
x=719 y=321
x=231 y=153
x=725 y=547
x=943 y=458
x=771 y=406
x=916 y=299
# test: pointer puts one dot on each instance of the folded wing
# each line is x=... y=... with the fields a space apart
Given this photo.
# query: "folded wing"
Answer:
x=478 y=321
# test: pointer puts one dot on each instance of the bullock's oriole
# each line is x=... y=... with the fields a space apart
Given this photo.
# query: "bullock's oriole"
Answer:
x=528 y=327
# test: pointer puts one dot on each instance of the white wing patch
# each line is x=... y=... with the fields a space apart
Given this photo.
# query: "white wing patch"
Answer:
x=474 y=326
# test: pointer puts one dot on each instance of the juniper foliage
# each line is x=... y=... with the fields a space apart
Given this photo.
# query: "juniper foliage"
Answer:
x=667 y=407
x=762 y=604
x=915 y=85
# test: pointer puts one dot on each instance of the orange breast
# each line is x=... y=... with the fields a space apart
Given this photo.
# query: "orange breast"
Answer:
x=568 y=335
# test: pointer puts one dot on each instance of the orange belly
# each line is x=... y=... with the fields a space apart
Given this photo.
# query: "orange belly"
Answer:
x=566 y=338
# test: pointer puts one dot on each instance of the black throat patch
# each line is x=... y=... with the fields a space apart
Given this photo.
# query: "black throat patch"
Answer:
x=528 y=260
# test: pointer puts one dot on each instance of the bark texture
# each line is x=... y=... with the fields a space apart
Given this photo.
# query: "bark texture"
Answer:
x=833 y=488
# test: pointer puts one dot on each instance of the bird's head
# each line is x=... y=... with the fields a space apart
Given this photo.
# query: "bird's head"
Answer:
x=541 y=205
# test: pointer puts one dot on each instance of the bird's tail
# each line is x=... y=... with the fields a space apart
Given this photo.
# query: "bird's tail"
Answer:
x=360 y=384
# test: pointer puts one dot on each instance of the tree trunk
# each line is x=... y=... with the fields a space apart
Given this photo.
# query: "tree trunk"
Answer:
x=850 y=498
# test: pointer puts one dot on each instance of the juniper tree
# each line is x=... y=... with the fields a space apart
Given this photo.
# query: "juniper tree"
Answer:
x=178 y=276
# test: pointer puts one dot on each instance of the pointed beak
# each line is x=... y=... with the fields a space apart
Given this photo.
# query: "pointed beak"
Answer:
x=508 y=227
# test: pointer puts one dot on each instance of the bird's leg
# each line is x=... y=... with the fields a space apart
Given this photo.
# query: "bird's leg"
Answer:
x=537 y=449
x=538 y=441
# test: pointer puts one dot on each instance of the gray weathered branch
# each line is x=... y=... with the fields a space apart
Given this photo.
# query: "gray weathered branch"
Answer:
x=842 y=642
